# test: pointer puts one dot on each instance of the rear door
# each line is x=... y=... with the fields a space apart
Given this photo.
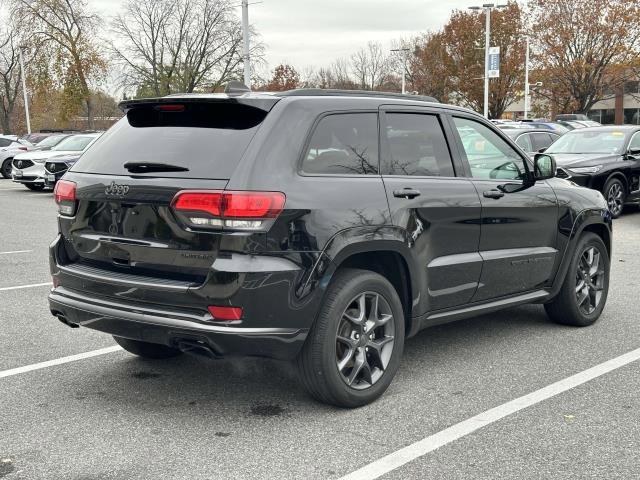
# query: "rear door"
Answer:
x=439 y=212
x=519 y=221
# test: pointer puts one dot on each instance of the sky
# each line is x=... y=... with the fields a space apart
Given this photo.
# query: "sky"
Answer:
x=305 y=33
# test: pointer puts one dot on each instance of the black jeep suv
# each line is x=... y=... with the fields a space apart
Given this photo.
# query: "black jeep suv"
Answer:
x=323 y=227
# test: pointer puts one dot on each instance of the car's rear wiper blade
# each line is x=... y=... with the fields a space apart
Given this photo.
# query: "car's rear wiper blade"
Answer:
x=143 y=167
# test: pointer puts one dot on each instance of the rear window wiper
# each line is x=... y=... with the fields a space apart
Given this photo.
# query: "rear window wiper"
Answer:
x=143 y=167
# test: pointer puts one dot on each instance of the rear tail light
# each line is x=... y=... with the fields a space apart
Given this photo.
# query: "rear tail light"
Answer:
x=233 y=210
x=65 y=196
x=225 y=314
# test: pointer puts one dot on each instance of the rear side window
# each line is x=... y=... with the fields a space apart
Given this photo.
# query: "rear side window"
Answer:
x=417 y=146
x=541 y=140
x=4 y=142
x=524 y=142
x=344 y=144
x=207 y=138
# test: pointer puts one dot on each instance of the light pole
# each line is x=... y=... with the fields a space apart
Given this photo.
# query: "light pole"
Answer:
x=404 y=65
x=527 y=98
x=24 y=88
x=245 y=39
x=487 y=7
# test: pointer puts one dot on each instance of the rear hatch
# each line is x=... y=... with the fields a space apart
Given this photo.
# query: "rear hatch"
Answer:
x=119 y=214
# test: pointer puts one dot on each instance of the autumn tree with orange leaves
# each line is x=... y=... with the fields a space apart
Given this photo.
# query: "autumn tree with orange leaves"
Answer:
x=285 y=77
x=584 y=49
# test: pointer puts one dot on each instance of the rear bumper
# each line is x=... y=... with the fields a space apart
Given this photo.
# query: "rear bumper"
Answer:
x=172 y=327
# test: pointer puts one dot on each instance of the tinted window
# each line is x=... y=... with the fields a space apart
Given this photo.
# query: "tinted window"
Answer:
x=344 y=144
x=417 y=146
x=524 y=142
x=4 y=142
x=541 y=140
x=489 y=156
x=207 y=138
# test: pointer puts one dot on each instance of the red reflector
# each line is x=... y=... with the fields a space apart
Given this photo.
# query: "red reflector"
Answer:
x=65 y=191
x=225 y=313
x=170 y=108
x=23 y=148
x=230 y=204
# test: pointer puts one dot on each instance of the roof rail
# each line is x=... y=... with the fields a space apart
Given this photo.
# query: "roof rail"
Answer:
x=321 y=92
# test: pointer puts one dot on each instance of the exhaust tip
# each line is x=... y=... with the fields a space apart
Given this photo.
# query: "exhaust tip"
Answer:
x=64 y=320
x=197 y=347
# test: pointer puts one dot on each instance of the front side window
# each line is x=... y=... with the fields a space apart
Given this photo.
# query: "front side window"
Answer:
x=417 y=146
x=4 y=142
x=75 y=143
x=489 y=156
x=344 y=144
x=541 y=140
x=635 y=142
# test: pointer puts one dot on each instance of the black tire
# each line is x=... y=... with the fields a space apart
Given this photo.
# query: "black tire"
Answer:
x=147 y=350
x=566 y=307
x=615 y=195
x=318 y=365
x=36 y=187
x=5 y=170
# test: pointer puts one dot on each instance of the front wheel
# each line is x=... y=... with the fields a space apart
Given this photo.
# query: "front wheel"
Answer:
x=146 y=349
x=586 y=285
x=5 y=170
x=353 y=350
x=615 y=195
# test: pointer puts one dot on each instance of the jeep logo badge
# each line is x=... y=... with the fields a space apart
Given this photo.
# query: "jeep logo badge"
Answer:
x=115 y=189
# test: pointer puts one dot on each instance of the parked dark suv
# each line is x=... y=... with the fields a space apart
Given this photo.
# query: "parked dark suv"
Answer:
x=324 y=227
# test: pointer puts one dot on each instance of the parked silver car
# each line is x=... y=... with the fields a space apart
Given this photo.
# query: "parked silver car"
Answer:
x=10 y=146
x=28 y=168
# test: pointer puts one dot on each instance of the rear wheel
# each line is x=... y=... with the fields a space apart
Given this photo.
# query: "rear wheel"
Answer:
x=353 y=351
x=5 y=170
x=146 y=349
x=36 y=187
x=615 y=195
x=586 y=285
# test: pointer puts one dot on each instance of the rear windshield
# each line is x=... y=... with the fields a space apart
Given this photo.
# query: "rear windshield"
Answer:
x=207 y=138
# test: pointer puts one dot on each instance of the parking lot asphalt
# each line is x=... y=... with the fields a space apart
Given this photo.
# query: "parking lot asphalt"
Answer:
x=115 y=416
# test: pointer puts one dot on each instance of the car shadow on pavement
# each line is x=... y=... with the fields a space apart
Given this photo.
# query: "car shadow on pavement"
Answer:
x=264 y=387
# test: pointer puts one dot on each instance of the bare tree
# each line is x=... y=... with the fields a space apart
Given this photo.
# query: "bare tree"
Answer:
x=9 y=77
x=371 y=65
x=70 y=26
x=167 y=46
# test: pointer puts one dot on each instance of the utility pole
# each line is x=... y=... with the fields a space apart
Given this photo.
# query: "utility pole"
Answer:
x=24 y=89
x=527 y=98
x=404 y=66
x=245 y=38
x=487 y=7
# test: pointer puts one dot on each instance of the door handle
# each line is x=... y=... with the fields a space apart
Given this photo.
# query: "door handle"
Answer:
x=495 y=193
x=406 y=193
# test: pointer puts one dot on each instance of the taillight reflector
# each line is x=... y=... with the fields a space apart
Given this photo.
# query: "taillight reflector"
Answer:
x=65 y=196
x=230 y=209
x=225 y=313
x=65 y=191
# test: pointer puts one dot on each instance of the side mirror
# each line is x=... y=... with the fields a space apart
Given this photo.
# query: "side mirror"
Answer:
x=544 y=167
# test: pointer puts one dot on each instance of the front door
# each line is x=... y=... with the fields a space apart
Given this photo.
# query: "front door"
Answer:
x=519 y=221
x=438 y=212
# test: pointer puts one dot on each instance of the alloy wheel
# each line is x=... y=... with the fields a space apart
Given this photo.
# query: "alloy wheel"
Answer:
x=590 y=280
x=615 y=199
x=365 y=340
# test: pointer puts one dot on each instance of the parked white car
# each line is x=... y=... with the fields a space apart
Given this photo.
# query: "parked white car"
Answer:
x=10 y=146
x=28 y=168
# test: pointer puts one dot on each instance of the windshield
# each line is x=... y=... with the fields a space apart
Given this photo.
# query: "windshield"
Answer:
x=76 y=143
x=52 y=141
x=577 y=141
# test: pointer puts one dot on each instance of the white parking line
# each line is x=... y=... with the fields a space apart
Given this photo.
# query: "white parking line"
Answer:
x=16 y=251
x=58 y=361
x=19 y=287
x=428 y=444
